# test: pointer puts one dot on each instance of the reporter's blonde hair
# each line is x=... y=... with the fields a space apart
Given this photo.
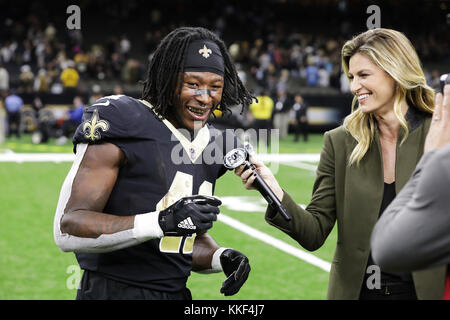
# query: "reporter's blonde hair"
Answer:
x=394 y=53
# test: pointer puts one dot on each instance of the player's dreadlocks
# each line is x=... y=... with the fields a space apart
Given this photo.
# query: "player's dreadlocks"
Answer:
x=167 y=65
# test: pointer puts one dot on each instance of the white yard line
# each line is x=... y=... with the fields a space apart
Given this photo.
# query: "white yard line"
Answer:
x=274 y=242
x=69 y=157
x=37 y=157
x=6 y=151
x=289 y=157
x=301 y=165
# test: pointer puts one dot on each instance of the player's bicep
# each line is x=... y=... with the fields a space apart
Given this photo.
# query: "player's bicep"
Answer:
x=79 y=223
x=95 y=178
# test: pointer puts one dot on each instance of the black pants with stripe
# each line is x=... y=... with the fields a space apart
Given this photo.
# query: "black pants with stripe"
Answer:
x=94 y=286
x=390 y=291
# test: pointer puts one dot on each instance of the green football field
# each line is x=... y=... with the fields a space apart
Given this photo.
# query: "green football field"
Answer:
x=32 y=267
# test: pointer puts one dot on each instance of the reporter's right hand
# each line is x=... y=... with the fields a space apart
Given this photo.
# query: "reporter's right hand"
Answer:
x=189 y=215
x=247 y=176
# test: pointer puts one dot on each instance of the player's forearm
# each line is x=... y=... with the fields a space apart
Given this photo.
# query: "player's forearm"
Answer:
x=89 y=224
x=96 y=232
x=204 y=248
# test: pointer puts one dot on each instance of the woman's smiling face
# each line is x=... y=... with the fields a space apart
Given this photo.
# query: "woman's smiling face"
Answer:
x=374 y=87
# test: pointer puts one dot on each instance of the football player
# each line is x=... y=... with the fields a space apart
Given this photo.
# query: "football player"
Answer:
x=138 y=201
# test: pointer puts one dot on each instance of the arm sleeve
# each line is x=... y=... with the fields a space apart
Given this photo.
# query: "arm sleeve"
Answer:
x=414 y=231
x=311 y=226
x=110 y=242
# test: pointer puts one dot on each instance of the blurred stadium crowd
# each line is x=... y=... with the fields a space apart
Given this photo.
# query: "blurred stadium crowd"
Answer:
x=287 y=45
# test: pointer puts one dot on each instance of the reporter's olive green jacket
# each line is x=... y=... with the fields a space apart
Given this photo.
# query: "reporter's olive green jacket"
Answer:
x=352 y=196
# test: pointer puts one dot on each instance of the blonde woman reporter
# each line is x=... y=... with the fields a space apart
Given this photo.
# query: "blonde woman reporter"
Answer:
x=363 y=165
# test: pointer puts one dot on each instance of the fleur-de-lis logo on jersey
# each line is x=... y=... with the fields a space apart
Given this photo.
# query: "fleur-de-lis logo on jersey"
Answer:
x=91 y=128
x=205 y=52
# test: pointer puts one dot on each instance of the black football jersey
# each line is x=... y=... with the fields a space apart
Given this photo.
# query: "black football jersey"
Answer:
x=162 y=166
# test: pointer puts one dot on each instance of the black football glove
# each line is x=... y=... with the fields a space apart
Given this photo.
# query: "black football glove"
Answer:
x=236 y=267
x=189 y=215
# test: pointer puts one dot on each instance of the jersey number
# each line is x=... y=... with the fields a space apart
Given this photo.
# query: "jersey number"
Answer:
x=181 y=187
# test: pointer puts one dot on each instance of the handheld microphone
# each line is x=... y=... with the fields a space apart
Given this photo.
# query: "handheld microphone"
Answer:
x=239 y=156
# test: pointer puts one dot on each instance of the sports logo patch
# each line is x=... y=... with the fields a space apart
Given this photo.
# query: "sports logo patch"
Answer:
x=92 y=128
x=205 y=52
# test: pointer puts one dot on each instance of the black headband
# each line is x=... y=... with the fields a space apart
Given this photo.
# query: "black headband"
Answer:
x=204 y=56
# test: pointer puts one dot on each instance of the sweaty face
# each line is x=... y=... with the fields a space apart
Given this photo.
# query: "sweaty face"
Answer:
x=374 y=87
x=200 y=93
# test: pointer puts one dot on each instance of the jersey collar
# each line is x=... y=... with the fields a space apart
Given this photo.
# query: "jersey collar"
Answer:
x=193 y=148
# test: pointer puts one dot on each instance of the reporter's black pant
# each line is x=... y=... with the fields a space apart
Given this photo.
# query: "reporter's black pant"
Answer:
x=390 y=291
x=94 y=286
